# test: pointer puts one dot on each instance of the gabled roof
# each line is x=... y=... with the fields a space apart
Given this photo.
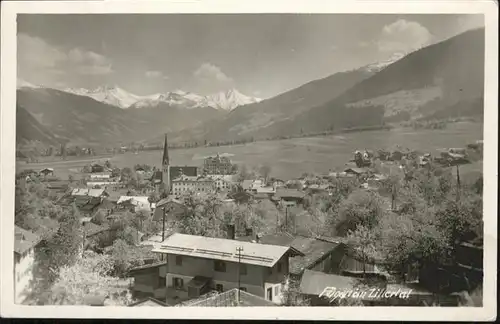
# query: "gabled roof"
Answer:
x=88 y=192
x=149 y=301
x=146 y=266
x=308 y=250
x=356 y=170
x=94 y=229
x=314 y=282
x=24 y=240
x=222 y=249
x=289 y=193
x=274 y=239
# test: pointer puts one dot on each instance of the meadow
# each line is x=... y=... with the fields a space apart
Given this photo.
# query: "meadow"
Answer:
x=292 y=157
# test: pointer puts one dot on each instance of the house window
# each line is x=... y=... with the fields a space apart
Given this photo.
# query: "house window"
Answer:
x=220 y=266
x=178 y=260
x=276 y=290
x=243 y=269
x=178 y=283
x=162 y=282
x=243 y=289
x=219 y=288
x=279 y=267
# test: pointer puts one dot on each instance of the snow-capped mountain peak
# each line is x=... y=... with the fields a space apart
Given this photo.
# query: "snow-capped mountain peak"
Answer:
x=229 y=100
x=379 y=66
x=116 y=96
x=25 y=84
x=110 y=94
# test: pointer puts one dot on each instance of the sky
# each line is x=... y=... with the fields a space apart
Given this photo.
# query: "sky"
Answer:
x=261 y=55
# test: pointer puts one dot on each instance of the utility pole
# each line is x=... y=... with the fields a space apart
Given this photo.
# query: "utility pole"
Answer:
x=458 y=183
x=239 y=249
x=286 y=218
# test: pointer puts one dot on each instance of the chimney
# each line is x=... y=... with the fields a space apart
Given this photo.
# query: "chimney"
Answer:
x=230 y=232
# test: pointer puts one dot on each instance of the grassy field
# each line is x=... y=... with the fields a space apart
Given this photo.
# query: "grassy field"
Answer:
x=290 y=158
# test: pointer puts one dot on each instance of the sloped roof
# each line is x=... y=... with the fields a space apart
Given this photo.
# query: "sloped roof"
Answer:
x=138 y=201
x=309 y=250
x=315 y=282
x=175 y=171
x=313 y=250
x=229 y=298
x=289 y=193
x=88 y=192
x=149 y=301
x=93 y=229
x=24 y=240
x=146 y=266
x=356 y=170
x=222 y=249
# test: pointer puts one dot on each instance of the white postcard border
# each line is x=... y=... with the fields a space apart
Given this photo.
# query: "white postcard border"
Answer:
x=7 y=157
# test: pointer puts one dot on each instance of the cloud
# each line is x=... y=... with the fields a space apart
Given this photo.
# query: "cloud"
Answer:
x=209 y=71
x=156 y=75
x=36 y=53
x=403 y=36
x=36 y=56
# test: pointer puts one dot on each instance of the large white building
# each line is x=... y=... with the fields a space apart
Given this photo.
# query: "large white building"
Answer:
x=222 y=182
x=184 y=184
x=24 y=261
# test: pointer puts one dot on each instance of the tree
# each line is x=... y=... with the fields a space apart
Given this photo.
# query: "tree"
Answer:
x=90 y=275
x=119 y=254
x=291 y=295
x=128 y=177
x=364 y=241
x=360 y=208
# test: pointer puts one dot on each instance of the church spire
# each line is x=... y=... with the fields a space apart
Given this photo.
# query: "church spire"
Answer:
x=165 y=161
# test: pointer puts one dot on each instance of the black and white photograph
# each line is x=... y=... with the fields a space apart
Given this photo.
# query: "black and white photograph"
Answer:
x=230 y=160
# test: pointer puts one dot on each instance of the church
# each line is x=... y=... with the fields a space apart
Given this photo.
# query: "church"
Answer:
x=163 y=179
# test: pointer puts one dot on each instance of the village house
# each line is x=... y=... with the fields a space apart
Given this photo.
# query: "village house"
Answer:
x=240 y=197
x=328 y=255
x=217 y=165
x=357 y=172
x=171 y=207
x=222 y=182
x=184 y=184
x=252 y=185
x=46 y=171
x=24 y=261
x=289 y=197
x=149 y=281
x=89 y=192
x=197 y=264
x=134 y=203
x=87 y=205
x=91 y=232
x=60 y=187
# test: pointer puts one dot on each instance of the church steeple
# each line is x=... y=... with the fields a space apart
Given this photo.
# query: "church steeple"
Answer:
x=165 y=161
x=165 y=165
